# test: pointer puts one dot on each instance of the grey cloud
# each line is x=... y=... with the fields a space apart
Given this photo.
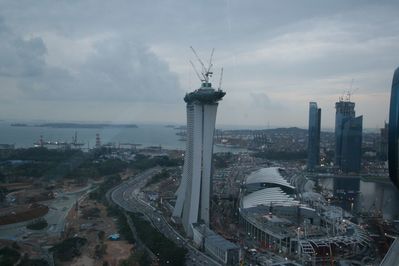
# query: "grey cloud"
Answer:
x=117 y=70
x=262 y=100
x=295 y=48
x=19 y=57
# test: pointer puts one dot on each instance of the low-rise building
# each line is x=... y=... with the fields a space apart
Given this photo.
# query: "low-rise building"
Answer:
x=216 y=246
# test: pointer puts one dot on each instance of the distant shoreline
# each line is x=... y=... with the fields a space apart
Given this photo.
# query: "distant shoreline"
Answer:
x=79 y=125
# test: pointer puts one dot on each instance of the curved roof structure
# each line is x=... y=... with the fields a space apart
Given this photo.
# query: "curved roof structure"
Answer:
x=268 y=175
x=205 y=95
x=266 y=197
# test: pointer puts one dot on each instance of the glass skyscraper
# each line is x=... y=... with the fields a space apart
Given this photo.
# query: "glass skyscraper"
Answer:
x=393 y=130
x=314 y=136
x=351 y=152
x=348 y=137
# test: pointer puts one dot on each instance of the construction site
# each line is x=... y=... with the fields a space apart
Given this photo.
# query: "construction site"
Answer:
x=275 y=218
x=89 y=220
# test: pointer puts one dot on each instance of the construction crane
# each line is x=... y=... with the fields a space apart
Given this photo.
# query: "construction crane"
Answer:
x=220 y=80
x=206 y=72
x=346 y=95
x=350 y=93
x=199 y=59
x=210 y=61
x=351 y=90
x=196 y=72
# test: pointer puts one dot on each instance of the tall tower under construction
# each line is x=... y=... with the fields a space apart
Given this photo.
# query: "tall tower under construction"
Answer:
x=348 y=136
x=193 y=195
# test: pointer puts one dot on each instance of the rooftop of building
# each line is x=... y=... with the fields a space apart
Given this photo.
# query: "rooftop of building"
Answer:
x=268 y=175
x=205 y=95
x=269 y=196
x=213 y=237
x=277 y=226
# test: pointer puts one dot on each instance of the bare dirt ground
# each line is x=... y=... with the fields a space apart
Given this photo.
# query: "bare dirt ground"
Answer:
x=83 y=261
x=89 y=228
x=117 y=251
x=22 y=213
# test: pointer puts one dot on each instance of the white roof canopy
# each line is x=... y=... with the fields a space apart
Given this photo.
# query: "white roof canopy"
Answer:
x=268 y=175
x=268 y=196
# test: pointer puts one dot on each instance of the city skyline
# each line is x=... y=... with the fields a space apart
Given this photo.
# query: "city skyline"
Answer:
x=89 y=64
x=119 y=147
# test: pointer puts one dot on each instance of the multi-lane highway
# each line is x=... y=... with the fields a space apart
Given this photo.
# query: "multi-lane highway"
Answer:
x=127 y=195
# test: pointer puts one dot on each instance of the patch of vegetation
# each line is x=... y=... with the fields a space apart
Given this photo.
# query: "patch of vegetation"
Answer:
x=3 y=192
x=100 y=250
x=110 y=166
x=91 y=213
x=109 y=182
x=123 y=226
x=164 y=174
x=47 y=163
x=101 y=236
x=8 y=256
x=33 y=262
x=169 y=252
x=222 y=160
x=73 y=164
x=69 y=248
x=143 y=162
x=38 y=224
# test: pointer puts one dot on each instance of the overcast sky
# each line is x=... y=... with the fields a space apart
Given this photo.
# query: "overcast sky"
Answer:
x=89 y=60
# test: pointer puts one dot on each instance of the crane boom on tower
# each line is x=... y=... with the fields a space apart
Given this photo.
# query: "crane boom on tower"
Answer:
x=210 y=61
x=196 y=72
x=199 y=59
x=220 y=80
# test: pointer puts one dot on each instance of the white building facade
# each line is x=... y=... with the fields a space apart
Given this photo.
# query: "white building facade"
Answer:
x=193 y=195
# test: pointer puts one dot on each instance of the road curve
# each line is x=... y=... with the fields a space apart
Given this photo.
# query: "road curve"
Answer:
x=127 y=196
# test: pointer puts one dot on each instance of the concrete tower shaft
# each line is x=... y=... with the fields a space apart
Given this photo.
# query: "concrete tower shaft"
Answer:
x=193 y=196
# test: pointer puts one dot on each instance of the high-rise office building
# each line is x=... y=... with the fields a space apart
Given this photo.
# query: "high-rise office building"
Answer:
x=314 y=136
x=344 y=111
x=348 y=136
x=351 y=151
x=194 y=192
x=393 y=131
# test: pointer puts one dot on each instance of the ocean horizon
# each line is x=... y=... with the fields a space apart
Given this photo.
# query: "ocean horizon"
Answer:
x=145 y=135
